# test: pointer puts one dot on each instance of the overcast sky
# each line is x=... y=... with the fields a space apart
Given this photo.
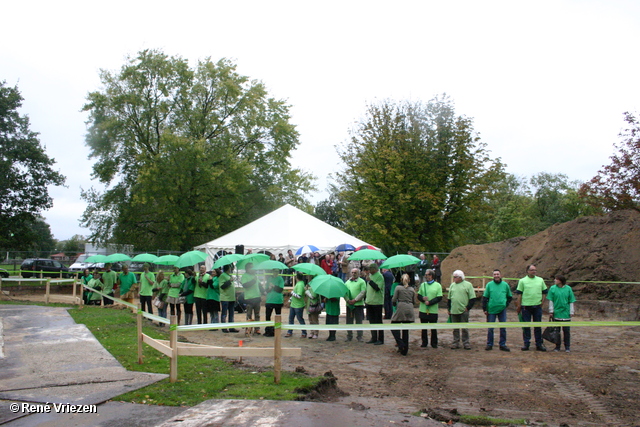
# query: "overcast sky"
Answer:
x=546 y=82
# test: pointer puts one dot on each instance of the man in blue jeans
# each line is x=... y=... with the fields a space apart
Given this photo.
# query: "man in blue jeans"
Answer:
x=497 y=296
x=531 y=290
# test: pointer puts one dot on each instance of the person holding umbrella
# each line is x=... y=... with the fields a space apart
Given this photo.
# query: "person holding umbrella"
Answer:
x=332 y=289
x=356 y=289
x=109 y=279
x=227 y=296
x=188 y=287
x=296 y=308
x=200 y=294
x=251 y=294
x=275 y=299
x=213 y=296
x=374 y=301
x=173 y=296
x=403 y=298
x=147 y=282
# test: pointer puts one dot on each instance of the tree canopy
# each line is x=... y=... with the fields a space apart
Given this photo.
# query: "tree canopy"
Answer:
x=26 y=172
x=617 y=185
x=416 y=176
x=187 y=153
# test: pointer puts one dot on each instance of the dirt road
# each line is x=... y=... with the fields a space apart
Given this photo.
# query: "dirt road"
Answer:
x=597 y=384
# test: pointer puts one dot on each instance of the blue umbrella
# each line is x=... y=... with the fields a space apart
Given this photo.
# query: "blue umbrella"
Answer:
x=307 y=249
x=345 y=247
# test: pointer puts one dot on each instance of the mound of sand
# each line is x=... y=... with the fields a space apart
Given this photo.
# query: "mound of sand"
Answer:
x=596 y=248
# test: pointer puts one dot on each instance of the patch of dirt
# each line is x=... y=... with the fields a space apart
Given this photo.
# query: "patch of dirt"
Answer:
x=594 y=248
x=596 y=384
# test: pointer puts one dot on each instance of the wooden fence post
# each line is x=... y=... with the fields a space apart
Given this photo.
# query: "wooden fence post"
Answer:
x=277 y=348
x=139 y=317
x=46 y=292
x=173 y=343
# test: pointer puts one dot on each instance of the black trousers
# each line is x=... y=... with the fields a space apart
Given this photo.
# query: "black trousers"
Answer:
x=269 y=308
x=201 y=310
x=402 y=341
x=374 y=314
x=146 y=300
x=429 y=318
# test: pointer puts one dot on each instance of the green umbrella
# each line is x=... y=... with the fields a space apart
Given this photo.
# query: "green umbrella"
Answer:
x=308 y=268
x=401 y=260
x=118 y=258
x=271 y=265
x=366 y=254
x=145 y=258
x=252 y=258
x=96 y=259
x=167 y=260
x=191 y=258
x=329 y=286
x=227 y=259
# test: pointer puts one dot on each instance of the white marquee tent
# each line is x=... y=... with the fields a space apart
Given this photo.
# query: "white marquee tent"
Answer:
x=283 y=229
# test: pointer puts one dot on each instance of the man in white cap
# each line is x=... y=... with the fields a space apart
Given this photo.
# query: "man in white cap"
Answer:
x=461 y=298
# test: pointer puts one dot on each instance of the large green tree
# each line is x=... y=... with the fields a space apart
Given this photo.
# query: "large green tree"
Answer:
x=416 y=176
x=26 y=173
x=617 y=185
x=187 y=153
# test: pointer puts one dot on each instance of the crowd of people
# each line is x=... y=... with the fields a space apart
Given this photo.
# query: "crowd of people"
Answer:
x=372 y=293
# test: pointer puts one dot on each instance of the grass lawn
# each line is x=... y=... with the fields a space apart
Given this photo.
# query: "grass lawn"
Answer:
x=199 y=378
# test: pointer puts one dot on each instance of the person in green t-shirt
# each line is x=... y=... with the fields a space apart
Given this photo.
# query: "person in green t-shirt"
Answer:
x=94 y=298
x=227 y=297
x=296 y=308
x=497 y=296
x=460 y=301
x=147 y=282
x=200 y=294
x=252 y=295
x=332 y=310
x=356 y=290
x=85 y=278
x=530 y=296
x=188 y=287
x=275 y=299
x=561 y=299
x=109 y=280
x=374 y=301
x=213 y=296
x=127 y=283
x=429 y=295
x=173 y=297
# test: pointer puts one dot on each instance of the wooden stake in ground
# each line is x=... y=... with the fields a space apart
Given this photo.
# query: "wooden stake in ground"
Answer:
x=139 y=317
x=173 y=343
x=46 y=292
x=277 y=348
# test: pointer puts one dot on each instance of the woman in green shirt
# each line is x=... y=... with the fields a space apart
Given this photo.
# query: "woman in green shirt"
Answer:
x=296 y=308
x=213 y=296
x=162 y=287
x=173 y=297
x=94 y=298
